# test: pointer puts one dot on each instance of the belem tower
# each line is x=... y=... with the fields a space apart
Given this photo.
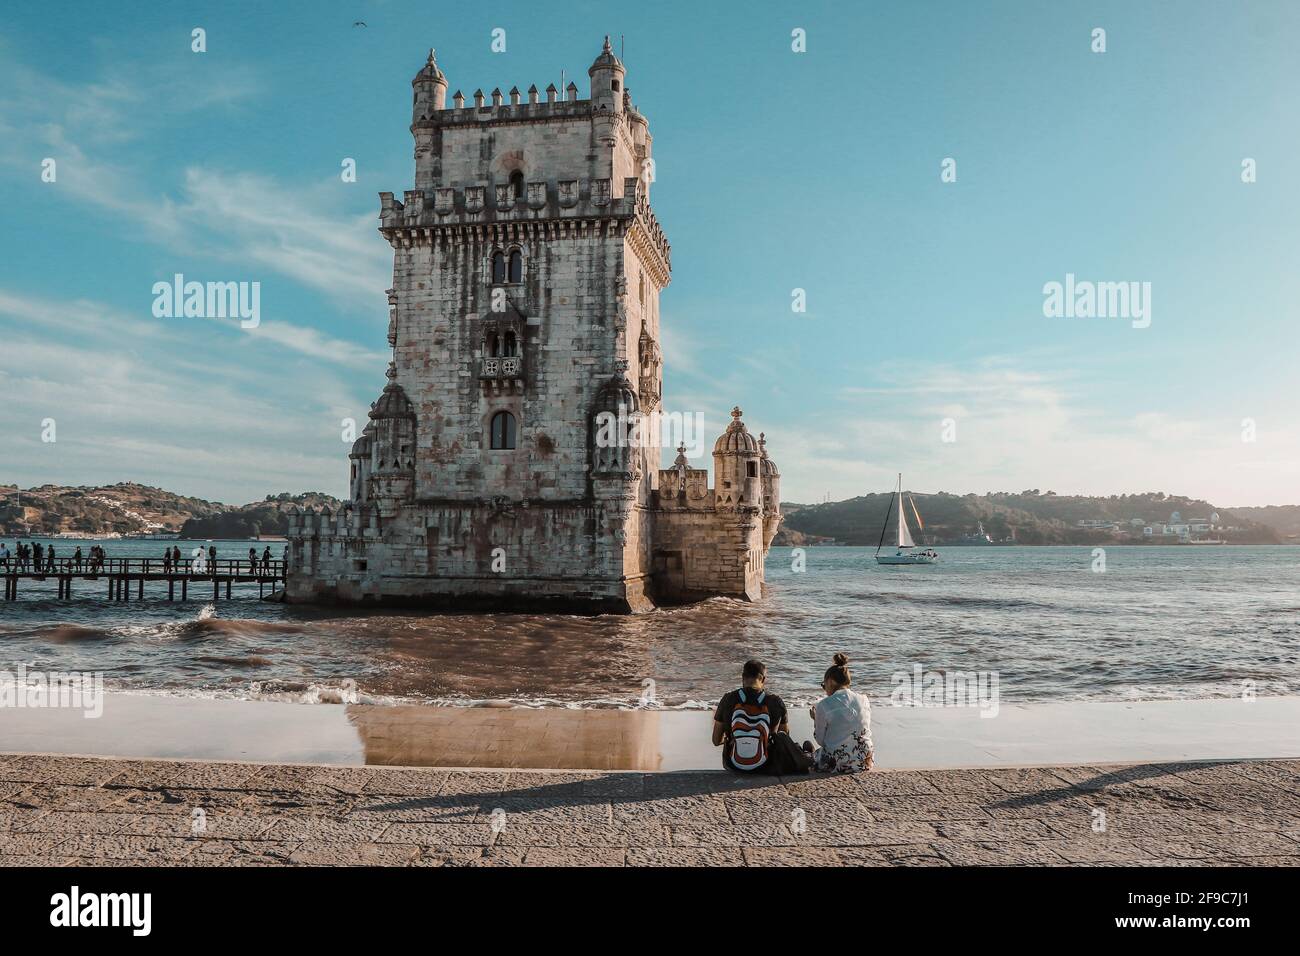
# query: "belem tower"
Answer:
x=524 y=322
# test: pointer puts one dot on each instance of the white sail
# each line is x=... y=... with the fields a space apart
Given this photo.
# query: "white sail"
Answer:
x=904 y=534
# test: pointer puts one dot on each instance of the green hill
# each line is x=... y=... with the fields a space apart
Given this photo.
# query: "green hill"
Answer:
x=128 y=508
x=1030 y=517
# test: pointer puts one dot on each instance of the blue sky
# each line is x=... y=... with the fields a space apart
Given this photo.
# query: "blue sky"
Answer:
x=776 y=170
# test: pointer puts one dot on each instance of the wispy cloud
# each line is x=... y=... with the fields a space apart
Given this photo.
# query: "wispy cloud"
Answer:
x=1019 y=428
x=204 y=405
x=301 y=232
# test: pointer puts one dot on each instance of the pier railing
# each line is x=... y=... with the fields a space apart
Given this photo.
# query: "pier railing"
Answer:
x=147 y=567
x=122 y=573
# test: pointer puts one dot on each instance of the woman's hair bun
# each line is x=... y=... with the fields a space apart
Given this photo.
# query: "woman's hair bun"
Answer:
x=841 y=660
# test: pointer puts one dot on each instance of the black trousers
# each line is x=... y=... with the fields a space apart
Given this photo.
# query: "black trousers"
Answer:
x=785 y=757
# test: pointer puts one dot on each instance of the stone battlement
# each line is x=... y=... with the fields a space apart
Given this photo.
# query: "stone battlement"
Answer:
x=480 y=110
x=563 y=200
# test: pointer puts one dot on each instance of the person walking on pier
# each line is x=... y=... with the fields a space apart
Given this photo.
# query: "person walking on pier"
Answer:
x=252 y=560
x=76 y=559
x=167 y=560
x=176 y=557
x=212 y=558
x=49 y=559
x=266 y=560
x=21 y=560
x=38 y=553
x=4 y=556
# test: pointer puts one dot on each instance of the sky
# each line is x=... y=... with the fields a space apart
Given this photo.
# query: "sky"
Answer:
x=924 y=347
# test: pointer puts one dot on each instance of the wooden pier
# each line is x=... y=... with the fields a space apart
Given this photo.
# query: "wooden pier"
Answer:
x=123 y=575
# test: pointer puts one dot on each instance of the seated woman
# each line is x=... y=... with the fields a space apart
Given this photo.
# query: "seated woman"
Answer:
x=841 y=724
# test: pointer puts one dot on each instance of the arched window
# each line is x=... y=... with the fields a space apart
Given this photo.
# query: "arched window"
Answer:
x=493 y=346
x=517 y=184
x=516 y=266
x=503 y=430
x=510 y=347
x=498 y=267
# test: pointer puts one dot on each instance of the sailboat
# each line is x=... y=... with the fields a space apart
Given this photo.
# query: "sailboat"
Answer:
x=903 y=553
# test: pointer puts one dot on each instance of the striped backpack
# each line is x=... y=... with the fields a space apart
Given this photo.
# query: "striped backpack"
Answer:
x=751 y=728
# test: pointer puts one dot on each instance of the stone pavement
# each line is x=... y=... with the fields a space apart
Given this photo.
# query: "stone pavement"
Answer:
x=58 y=810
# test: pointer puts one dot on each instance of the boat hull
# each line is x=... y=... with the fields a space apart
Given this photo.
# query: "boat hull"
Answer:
x=906 y=559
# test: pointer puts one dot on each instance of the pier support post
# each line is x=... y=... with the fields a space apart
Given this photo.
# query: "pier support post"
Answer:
x=171 y=589
x=140 y=593
x=216 y=590
x=228 y=580
x=185 y=587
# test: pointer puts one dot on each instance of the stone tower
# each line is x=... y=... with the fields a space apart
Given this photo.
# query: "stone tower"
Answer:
x=498 y=466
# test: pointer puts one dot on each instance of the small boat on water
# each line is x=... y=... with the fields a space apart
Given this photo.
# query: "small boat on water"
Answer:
x=904 y=552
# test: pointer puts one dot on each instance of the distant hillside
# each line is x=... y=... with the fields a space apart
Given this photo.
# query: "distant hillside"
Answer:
x=1030 y=517
x=128 y=508
x=261 y=517
x=1284 y=519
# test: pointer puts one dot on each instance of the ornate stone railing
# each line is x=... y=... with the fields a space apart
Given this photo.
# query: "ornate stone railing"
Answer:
x=506 y=367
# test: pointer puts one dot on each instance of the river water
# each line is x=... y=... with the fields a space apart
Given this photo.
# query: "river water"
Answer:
x=1158 y=622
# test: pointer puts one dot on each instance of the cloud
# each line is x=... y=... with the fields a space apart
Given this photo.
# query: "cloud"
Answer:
x=91 y=130
x=196 y=405
x=258 y=220
x=1017 y=428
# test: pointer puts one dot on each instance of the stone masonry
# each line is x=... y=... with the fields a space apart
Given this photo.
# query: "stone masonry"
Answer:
x=512 y=458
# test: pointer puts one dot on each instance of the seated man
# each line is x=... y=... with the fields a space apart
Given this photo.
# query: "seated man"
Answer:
x=753 y=728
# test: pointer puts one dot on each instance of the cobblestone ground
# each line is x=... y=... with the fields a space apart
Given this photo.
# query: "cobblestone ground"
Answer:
x=58 y=810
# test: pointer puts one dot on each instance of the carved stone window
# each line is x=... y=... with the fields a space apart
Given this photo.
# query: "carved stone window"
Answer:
x=517 y=184
x=516 y=273
x=498 y=267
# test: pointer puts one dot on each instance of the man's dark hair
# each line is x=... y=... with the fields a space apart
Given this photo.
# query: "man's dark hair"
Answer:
x=753 y=670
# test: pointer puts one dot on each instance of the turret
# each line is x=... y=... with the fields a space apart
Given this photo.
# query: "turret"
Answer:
x=607 y=81
x=771 y=478
x=430 y=96
x=735 y=468
x=771 y=484
x=430 y=87
x=615 y=429
x=359 y=460
x=392 y=446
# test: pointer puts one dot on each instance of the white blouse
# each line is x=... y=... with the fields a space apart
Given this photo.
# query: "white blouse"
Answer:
x=840 y=717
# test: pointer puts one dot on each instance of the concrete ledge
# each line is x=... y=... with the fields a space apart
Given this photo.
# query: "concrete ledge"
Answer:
x=58 y=810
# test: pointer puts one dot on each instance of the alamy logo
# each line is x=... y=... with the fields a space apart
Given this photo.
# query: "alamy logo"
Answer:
x=53 y=689
x=103 y=909
x=942 y=688
x=209 y=300
x=1083 y=299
